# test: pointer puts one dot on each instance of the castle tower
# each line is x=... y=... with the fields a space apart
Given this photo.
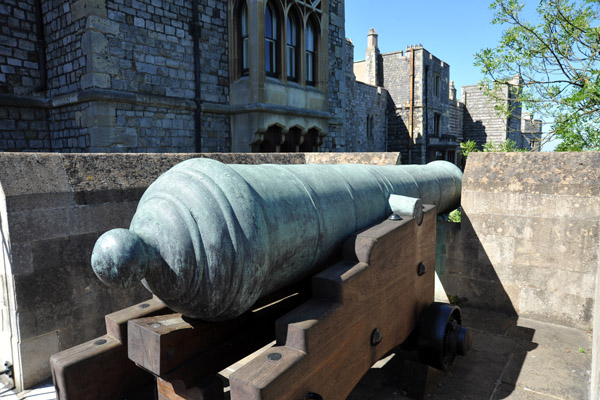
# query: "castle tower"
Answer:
x=374 y=62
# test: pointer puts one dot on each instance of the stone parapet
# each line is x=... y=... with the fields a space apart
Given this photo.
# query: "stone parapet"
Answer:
x=529 y=239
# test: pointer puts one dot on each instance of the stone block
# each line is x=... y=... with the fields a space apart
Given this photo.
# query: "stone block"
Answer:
x=565 y=309
x=101 y=64
x=85 y=8
x=104 y=25
x=96 y=80
x=578 y=207
x=107 y=137
x=35 y=359
x=497 y=249
x=22 y=260
x=94 y=42
x=27 y=174
x=30 y=225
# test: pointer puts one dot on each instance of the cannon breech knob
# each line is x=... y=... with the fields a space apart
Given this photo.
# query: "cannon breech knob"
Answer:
x=441 y=336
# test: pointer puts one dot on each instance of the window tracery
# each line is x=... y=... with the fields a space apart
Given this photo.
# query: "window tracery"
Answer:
x=291 y=29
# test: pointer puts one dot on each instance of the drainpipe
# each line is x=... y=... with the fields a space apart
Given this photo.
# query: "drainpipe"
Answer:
x=197 y=83
x=41 y=47
x=412 y=100
x=426 y=130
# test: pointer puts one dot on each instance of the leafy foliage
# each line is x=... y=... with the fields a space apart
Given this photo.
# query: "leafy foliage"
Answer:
x=504 y=147
x=558 y=61
x=468 y=147
x=455 y=216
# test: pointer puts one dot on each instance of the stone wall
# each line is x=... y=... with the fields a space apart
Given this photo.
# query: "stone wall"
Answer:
x=116 y=70
x=456 y=111
x=396 y=79
x=366 y=124
x=529 y=238
x=337 y=138
x=19 y=59
x=481 y=121
x=53 y=207
x=25 y=126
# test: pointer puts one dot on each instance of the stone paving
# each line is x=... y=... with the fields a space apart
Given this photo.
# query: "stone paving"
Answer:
x=512 y=358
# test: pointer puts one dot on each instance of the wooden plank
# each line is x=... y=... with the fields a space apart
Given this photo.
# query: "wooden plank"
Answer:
x=100 y=368
x=116 y=323
x=325 y=345
x=96 y=370
x=163 y=343
x=209 y=388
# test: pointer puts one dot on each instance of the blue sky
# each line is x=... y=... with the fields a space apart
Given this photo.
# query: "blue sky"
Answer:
x=452 y=30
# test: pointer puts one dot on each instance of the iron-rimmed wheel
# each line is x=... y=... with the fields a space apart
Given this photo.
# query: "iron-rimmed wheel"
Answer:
x=441 y=336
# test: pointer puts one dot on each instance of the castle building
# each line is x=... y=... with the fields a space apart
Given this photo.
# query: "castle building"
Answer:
x=425 y=121
x=219 y=76
x=170 y=75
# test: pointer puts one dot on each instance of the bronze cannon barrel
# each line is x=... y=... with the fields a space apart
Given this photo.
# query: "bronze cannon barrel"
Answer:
x=209 y=239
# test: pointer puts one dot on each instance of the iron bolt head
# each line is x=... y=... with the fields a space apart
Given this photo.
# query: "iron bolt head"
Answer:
x=375 y=337
x=421 y=269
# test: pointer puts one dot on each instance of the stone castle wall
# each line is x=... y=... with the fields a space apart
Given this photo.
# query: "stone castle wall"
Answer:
x=337 y=138
x=116 y=70
x=396 y=79
x=19 y=58
x=22 y=126
x=366 y=111
x=366 y=105
x=456 y=111
x=481 y=121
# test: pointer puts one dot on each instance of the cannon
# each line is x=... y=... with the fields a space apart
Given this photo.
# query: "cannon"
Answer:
x=210 y=239
x=334 y=262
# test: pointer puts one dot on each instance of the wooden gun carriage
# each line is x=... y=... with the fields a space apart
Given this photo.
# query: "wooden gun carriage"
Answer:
x=367 y=287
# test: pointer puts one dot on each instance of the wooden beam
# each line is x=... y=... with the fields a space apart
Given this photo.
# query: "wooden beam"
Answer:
x=361 y=309
x=100 y=369
x=178 y=348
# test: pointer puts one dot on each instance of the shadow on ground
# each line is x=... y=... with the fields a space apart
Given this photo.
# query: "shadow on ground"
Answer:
x=511 y=358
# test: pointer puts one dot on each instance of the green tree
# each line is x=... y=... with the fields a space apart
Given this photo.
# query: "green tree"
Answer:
x=558 y=60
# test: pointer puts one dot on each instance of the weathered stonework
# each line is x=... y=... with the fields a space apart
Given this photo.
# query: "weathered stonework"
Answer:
x=366 y=123
x=419 y=110
x=483 y=124
x=528 y=243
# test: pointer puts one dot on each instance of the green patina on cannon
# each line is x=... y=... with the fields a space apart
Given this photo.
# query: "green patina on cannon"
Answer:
x=210 y=239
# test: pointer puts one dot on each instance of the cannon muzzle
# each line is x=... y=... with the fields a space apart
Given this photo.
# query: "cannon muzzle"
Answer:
x=210 y=239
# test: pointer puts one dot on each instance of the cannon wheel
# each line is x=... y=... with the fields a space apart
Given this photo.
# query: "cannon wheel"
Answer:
x=441 y=336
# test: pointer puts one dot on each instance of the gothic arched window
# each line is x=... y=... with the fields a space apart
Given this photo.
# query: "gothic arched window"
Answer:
x=271 y=41
x=311 y=52
x=243 y=38
x=292 y=34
